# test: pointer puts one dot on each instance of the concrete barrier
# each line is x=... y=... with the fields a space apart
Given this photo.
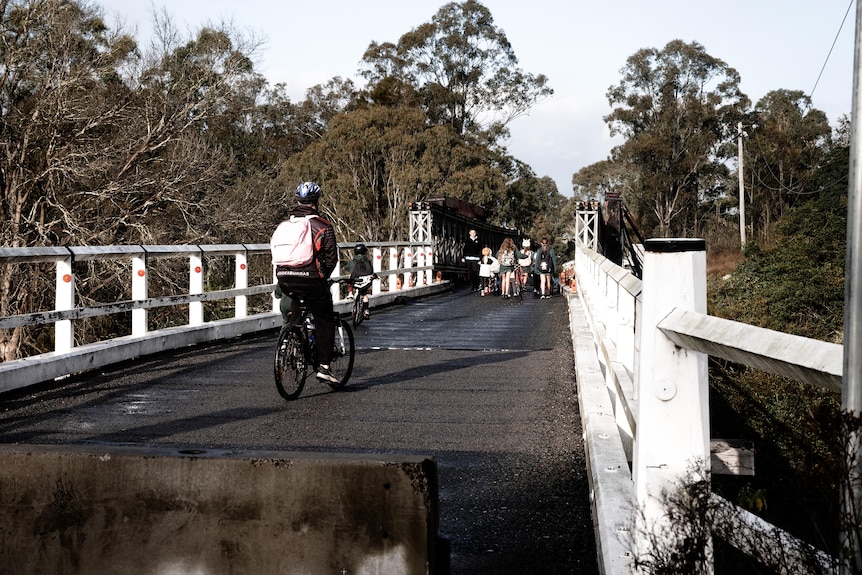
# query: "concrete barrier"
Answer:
x=86 y=509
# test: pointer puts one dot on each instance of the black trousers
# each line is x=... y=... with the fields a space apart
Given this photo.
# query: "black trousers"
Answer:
x=318 y=300
x=473 y=269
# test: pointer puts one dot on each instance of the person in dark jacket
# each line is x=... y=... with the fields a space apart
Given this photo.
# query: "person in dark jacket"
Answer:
x=547 y=267
x=360 y=267
x=472 y=254
x=310 y=281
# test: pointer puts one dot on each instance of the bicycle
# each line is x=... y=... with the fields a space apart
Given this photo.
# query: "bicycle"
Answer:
x=516 y=283
x=296 y=352
x=361 y=286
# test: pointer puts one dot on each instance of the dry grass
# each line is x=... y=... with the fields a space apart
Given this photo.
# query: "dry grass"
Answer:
x=720 y=263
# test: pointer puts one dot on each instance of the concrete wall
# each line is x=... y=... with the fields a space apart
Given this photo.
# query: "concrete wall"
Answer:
x=88 y=509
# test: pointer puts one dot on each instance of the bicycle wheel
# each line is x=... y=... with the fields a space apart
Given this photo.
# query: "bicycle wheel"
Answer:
x=356 y=312
x=290 y=368
x=343 y=355
x=519 y=289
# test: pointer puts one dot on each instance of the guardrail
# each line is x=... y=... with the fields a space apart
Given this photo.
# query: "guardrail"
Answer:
x=404 y=269
x=644 y=393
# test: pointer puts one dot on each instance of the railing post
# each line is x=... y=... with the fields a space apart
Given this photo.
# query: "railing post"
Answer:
x=429 y=261
x=139 y=292
x=64 y=294
x=420 y=263
x=241 y=273
x=377 y=266
x=612 y=301
x=393 y=265
x=408 y=263
x=672 y=436
x=626 y=333
x=196 y=286
x=604 y=290
x=335 y=289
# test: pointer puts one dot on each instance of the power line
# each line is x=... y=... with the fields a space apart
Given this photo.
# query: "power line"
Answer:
x=830 y=49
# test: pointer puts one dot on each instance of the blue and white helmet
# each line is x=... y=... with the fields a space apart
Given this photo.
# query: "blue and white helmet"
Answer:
x=308 y=191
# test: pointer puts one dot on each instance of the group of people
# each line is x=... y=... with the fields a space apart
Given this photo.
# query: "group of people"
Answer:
x=311 y=280
x=508 y=265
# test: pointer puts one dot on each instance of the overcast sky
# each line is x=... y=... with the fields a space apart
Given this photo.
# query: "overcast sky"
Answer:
x=581 y=47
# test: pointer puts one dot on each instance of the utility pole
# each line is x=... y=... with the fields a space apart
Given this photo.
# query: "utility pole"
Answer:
x=851 y=398
x=741 y=188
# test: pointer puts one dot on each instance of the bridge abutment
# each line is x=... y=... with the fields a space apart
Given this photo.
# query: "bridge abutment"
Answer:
x=80 y=509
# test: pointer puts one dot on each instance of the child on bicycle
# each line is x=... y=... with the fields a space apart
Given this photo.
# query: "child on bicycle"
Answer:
x=525 y=262
x=486 y=270
x=361 y=271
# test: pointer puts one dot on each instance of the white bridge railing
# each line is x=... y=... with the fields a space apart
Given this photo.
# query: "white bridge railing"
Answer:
x=404 y=269
x=641 y=352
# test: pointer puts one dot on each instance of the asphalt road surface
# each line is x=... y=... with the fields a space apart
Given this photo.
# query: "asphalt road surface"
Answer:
x=484 y=385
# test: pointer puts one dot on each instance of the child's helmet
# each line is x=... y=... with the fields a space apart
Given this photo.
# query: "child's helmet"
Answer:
x=360 y=249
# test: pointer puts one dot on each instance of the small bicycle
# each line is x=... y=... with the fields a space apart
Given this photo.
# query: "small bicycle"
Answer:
x=296 y=352
x=516 y=283
x=361 y=285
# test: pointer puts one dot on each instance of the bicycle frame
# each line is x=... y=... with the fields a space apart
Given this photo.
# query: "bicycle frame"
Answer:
x=296 y=351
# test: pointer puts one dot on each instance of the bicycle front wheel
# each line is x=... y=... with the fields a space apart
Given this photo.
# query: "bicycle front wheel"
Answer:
x=356 y=315
x=343 y=354
x=290 y=367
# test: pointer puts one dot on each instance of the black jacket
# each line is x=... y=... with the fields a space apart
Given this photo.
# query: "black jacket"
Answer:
x=325 y=248
x=472 y=249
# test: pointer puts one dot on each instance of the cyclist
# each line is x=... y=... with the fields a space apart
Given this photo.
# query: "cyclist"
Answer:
x=310 y=280
x=486 y=271
x=525 y=262
x=361 y=269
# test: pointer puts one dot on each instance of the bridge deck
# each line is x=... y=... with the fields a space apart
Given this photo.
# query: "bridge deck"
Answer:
x=483 y=385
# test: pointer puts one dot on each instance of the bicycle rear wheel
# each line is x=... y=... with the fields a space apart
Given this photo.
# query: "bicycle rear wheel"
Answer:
x=343 y=354
x=290 y=367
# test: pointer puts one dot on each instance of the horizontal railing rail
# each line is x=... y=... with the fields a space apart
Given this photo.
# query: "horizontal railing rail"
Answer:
x=623 y=389
x=403 y=269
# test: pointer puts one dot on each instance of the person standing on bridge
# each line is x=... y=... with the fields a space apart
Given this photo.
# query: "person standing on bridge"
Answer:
x=546 y=266
x=506 y=256
x=472 y=254
x=525 y=261
x=310 y=280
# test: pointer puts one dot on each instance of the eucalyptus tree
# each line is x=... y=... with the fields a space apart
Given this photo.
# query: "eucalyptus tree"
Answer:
x=100 y=145
x=675 y=107
x=525 y=197
x=784 y=147
x=374 y=161
x=461 y=66
x=594 y=182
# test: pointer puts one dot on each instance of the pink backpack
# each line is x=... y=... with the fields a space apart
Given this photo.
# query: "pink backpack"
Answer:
x=292 y=242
